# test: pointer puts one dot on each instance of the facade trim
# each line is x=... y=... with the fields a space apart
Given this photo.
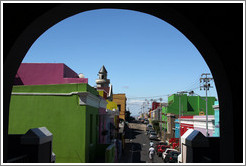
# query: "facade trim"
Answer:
x=85 y=98
x=47 y=94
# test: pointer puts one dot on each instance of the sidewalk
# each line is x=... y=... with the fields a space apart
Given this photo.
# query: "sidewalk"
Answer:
x=127 y=153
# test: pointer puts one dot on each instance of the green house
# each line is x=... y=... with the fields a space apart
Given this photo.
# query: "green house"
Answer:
x=164 y=117
x=190 y=105
x=186 y=105
x=68 y=111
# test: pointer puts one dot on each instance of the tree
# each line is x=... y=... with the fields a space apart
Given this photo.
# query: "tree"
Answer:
x=156 y=126
x=127 y=115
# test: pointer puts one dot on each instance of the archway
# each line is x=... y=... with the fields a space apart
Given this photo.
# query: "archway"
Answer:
x=174 y=14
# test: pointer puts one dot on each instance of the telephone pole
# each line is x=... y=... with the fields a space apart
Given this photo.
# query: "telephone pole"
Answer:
x=206 y=85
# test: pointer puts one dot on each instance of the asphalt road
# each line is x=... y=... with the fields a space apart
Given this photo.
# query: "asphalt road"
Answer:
x=138 y=145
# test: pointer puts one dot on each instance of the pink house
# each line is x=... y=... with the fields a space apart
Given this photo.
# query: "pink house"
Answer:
x=197 y=122
x=46 y=73
x=103 y=126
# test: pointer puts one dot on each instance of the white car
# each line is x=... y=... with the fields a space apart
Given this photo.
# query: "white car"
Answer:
x=166 y=152
x=152 y=135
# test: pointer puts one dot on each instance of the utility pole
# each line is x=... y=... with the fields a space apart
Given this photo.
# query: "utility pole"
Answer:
x=206 y=86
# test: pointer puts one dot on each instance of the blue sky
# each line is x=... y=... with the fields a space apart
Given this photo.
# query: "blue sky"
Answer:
x=144 y=55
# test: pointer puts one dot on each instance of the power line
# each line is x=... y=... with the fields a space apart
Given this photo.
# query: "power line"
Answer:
x=136 y=107
x=190 y=87
x=147 y=97
x=193 y=89
x=186 y=89
x=195 y=82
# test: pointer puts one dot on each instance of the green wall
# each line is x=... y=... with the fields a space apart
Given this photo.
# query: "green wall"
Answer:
x=164 y=117
x=190 y=105
x=91 y=133
x=61 y=115
x=193 y=104
x=173 y=104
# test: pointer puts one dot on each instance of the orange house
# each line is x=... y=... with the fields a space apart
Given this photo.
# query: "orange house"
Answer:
x=120 y=100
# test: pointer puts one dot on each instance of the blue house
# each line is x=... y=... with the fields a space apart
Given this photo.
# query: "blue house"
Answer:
x=216 y=119
x=177 y=133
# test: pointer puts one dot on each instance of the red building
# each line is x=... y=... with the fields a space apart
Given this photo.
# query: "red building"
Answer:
x=186 y=124
x=155 y=105
x=197 y=122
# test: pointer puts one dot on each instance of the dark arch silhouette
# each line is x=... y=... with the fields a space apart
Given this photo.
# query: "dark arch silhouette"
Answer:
x=216 y=30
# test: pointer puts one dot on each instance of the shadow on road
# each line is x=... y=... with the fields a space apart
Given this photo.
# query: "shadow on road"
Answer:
x=136 y=153
x=136 y=146
x=132 y=152
x=131 y=133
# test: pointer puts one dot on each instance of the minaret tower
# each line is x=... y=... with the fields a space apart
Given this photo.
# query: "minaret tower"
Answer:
x=102 y=81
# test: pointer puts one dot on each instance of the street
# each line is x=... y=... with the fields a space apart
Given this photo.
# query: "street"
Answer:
x=137 y=145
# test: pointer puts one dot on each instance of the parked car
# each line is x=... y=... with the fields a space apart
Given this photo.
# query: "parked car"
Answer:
x=153 y=135
x=166 y=152
x=148 y=127
x=160 y=143
x=146 y=121
x=150 y=131
x=171 y=157
x=174 y=142
x=161 y=149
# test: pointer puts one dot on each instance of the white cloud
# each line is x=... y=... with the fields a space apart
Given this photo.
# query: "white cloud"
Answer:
x=140 y=102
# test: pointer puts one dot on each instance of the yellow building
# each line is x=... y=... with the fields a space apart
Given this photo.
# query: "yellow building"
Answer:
x=120 y=100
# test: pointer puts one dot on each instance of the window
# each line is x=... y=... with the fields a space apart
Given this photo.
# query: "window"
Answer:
x=119 y=107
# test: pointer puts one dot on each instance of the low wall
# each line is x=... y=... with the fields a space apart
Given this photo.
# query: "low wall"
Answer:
x=100 y=153
x=110 y=154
